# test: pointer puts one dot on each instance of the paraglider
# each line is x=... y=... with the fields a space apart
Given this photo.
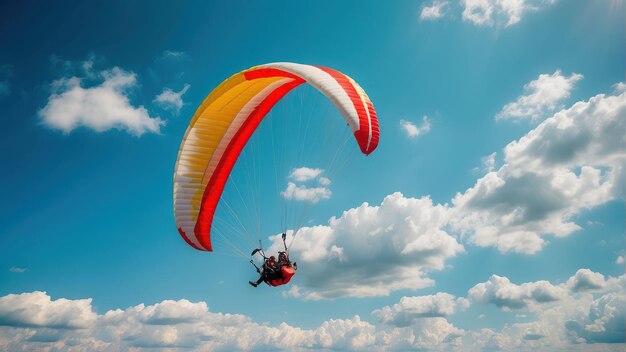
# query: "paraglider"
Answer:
x=225 y=121
x=274 y=273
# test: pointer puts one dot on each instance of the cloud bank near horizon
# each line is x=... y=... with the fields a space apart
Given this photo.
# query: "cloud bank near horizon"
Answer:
x=586 y=313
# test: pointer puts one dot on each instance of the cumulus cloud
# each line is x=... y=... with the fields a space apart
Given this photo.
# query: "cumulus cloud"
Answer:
x=619 y=260
x=36 y=309
x=191 y=325
x=425 y=334
x=585 y=279
x=300 y=191
x=572 y=161
x=499 y=12
x=304 y=174
x=435 y=11
x=412 y=130
x=410 y=309
x=170 y=99
x=374 y=250
x=605 y=321
x=304 y=193
x=579 y=321
x=543 y=96
x=101 y=106
x=507 y=295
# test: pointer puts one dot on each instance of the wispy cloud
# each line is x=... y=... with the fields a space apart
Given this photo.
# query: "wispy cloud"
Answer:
x=499 y=12
x=170 y=99
x=99 y=106
x=435 y=11
x=173 y=55
x=412 y=130
x=17 y=269
x=487 y=163
x=487 y=13
x=544 y=96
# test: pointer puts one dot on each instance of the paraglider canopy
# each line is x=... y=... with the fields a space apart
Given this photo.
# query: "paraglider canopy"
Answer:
x=227 y=118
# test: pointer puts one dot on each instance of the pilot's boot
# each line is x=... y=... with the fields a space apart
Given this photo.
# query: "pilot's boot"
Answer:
x=253 y=284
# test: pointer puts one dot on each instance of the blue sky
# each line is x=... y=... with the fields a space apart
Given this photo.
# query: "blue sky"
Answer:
x=490 y=217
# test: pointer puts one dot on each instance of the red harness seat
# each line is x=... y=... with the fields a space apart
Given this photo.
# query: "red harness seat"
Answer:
x=287 y=271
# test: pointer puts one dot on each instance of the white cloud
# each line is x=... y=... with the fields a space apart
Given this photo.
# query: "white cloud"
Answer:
x=324 y=181
x=478 y=11
x=304 y=193
x=499 y=12
x=507 y=295
x=17 y=269
x=578 y=321
x=434 y=11
x=304 y=174
x=188 y=325
x=373 y=250
x=604 y=322
x=585 y=279
x=619 y=260
x=410 y=309
x=543 y=96
x=574 y=160
x=489 y=162
x=348 y=334
x=170 y=99
x=424 y=334
x=173 y=55
x=100 y=107
x=172 y=312
x=37 y=309
x=413 y=130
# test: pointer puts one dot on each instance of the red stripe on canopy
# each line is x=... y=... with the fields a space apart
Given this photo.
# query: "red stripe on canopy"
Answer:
x=363 y=134
x=375 y=127
x=215 y=186
x=268 y=72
